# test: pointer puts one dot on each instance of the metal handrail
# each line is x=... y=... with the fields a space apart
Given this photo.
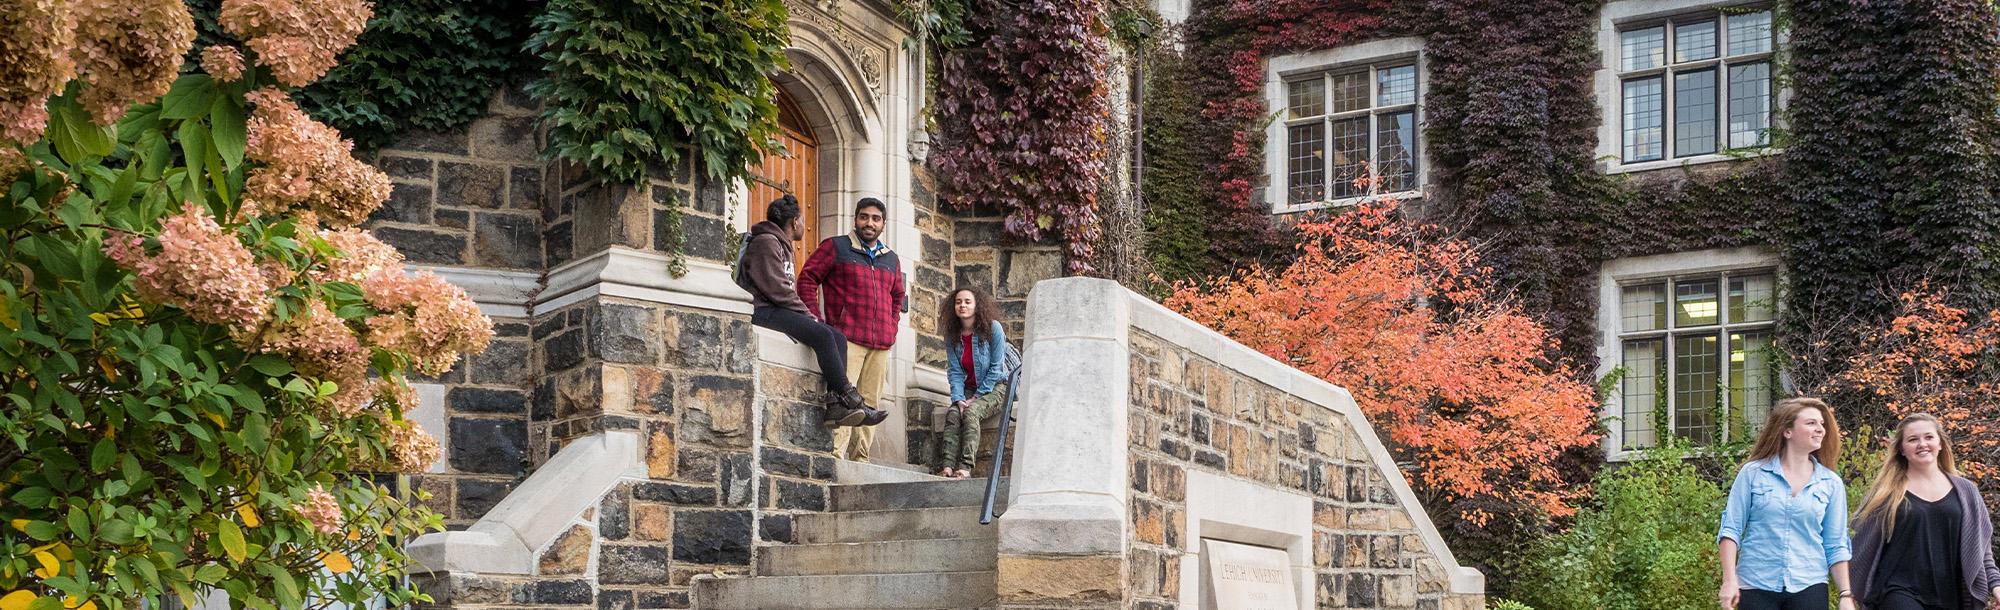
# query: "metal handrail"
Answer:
x=986 y=512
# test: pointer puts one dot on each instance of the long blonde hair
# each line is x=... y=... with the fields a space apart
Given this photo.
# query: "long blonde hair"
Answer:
x=1886 y=495
x=1772 y=439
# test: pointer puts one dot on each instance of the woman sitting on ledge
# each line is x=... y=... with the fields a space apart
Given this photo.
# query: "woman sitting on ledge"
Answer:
x=976 y=345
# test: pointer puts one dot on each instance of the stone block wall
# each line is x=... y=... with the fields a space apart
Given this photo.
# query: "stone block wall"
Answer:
x=681 y=379
x=796 y=454
x=469 y=199
x=472 y=200
x=985 y=259
x=586 y=215
x=1191 y=414
x=1171 y=436
x=484 y=427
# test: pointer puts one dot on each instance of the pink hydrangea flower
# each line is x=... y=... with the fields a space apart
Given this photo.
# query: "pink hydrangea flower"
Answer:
x=223 y=62
x=129 y=51
x=303 y=162
x=36 y=39
x=321 y=345
x=200 y=268
x=426 y=317
x=411 y=449
x=321 y=510
x=362 y=256
x=298 y=39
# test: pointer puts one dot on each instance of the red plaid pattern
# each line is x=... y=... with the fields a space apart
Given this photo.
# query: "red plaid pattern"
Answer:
x=863 y=297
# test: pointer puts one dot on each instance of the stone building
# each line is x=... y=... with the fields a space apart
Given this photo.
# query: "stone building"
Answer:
x=631 y=441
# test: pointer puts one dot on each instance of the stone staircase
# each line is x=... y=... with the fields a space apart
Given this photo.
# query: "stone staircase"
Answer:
x=914 y=542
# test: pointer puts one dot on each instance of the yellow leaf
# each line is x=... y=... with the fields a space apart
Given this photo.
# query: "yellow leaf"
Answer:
x=50 y=567
x=110 y=368
x=62 y=551
x=100 y=319
x=88 y=606
x=7 y=319
x=249 y=515
x=353 y=534
x=20 y=524
x=18 y=600
x=337 y=563
x=219 y=423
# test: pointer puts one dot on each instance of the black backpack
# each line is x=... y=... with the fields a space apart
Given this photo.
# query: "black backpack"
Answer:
x=739 y=273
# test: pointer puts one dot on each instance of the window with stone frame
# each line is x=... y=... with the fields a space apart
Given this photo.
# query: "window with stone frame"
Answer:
x=1696 y=356
x=1696 y=83
x=1351 y=122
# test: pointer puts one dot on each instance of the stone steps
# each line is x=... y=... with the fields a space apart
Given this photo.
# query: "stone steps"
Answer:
x=850 y=472
x=886 y=545
x=879 y=591
x=922 y=494
x=957 y=522
x=890 y=557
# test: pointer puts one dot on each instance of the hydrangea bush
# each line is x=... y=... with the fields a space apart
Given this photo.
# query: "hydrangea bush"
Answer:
x=202 y=359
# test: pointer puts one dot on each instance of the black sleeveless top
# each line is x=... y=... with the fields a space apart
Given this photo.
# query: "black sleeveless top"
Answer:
x=1921 y=558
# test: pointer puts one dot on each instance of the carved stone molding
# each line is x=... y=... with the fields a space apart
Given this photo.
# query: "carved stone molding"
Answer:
x=868 y=55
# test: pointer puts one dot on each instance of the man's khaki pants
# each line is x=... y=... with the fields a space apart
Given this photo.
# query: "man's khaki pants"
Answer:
x=865 y=369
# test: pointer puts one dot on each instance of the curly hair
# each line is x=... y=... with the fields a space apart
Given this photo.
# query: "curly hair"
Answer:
x=984 y=312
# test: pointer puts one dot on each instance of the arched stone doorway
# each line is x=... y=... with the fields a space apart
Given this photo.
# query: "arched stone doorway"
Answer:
x=793 y=170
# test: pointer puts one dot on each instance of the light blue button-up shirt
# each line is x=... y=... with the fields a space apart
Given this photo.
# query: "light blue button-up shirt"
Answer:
x=1785 y=542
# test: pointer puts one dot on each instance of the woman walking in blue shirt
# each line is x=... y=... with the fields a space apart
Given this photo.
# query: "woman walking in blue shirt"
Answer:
x=1785 y=526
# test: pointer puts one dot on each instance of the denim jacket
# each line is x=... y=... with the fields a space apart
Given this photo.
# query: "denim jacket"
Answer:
x=1785 y=542
x=987 y=358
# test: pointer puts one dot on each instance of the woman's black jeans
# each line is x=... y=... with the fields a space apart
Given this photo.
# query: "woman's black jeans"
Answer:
x=825 y=341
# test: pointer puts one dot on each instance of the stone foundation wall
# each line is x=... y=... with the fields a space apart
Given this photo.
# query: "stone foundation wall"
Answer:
x=1191 y=414
x=586 y=216
x=463 y=201
x=483 y=425
x=1145 y=437
x=471 y=198
x=985 y=259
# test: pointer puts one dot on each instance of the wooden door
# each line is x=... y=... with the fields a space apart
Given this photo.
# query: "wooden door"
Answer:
x=794 y=171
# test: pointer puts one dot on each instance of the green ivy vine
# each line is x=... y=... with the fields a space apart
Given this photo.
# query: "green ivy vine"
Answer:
x=429 y=65
x=631 y=87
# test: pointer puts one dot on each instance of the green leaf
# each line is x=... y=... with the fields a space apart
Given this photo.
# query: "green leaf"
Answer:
x=271 y=366
x=103 y=454
x=194 y=146
x=231 y=538
x=35 y=497
x=227 y=123
x=43 y=530
x=211 y=573
x=190 y=97
x=79 y=523
x=116 y=531
x=75 y=137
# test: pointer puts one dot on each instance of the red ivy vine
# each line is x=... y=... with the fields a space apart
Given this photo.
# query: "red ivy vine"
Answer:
x=1021 y=113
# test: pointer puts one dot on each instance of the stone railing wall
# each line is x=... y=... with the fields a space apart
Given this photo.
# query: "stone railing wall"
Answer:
x=665 y=462
x=1147 y=435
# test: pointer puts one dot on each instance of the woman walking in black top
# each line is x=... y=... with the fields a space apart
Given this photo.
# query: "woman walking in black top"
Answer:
x=1922 y=536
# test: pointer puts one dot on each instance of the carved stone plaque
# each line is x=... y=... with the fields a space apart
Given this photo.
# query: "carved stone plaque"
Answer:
x=1245 y=577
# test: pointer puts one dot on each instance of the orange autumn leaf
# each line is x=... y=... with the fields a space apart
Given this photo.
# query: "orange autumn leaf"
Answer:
x=1448 y=368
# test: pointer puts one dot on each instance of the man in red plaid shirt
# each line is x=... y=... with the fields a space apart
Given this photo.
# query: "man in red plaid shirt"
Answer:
x=860 y=282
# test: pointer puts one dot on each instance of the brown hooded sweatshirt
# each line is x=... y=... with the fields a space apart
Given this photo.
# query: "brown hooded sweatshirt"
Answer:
x=769 y=265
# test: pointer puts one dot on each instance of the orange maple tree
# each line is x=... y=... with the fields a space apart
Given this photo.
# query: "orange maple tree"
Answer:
x=1436 y=356
x=1935 y=358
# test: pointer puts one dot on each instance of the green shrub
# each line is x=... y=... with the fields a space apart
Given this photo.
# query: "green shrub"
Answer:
x=632 y=86
x=421 y=65
x=1649 y=543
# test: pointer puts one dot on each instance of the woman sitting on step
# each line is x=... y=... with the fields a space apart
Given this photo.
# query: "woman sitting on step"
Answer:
x=976 y=347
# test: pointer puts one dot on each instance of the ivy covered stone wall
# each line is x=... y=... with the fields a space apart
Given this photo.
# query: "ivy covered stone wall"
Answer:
x=1885 y=174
